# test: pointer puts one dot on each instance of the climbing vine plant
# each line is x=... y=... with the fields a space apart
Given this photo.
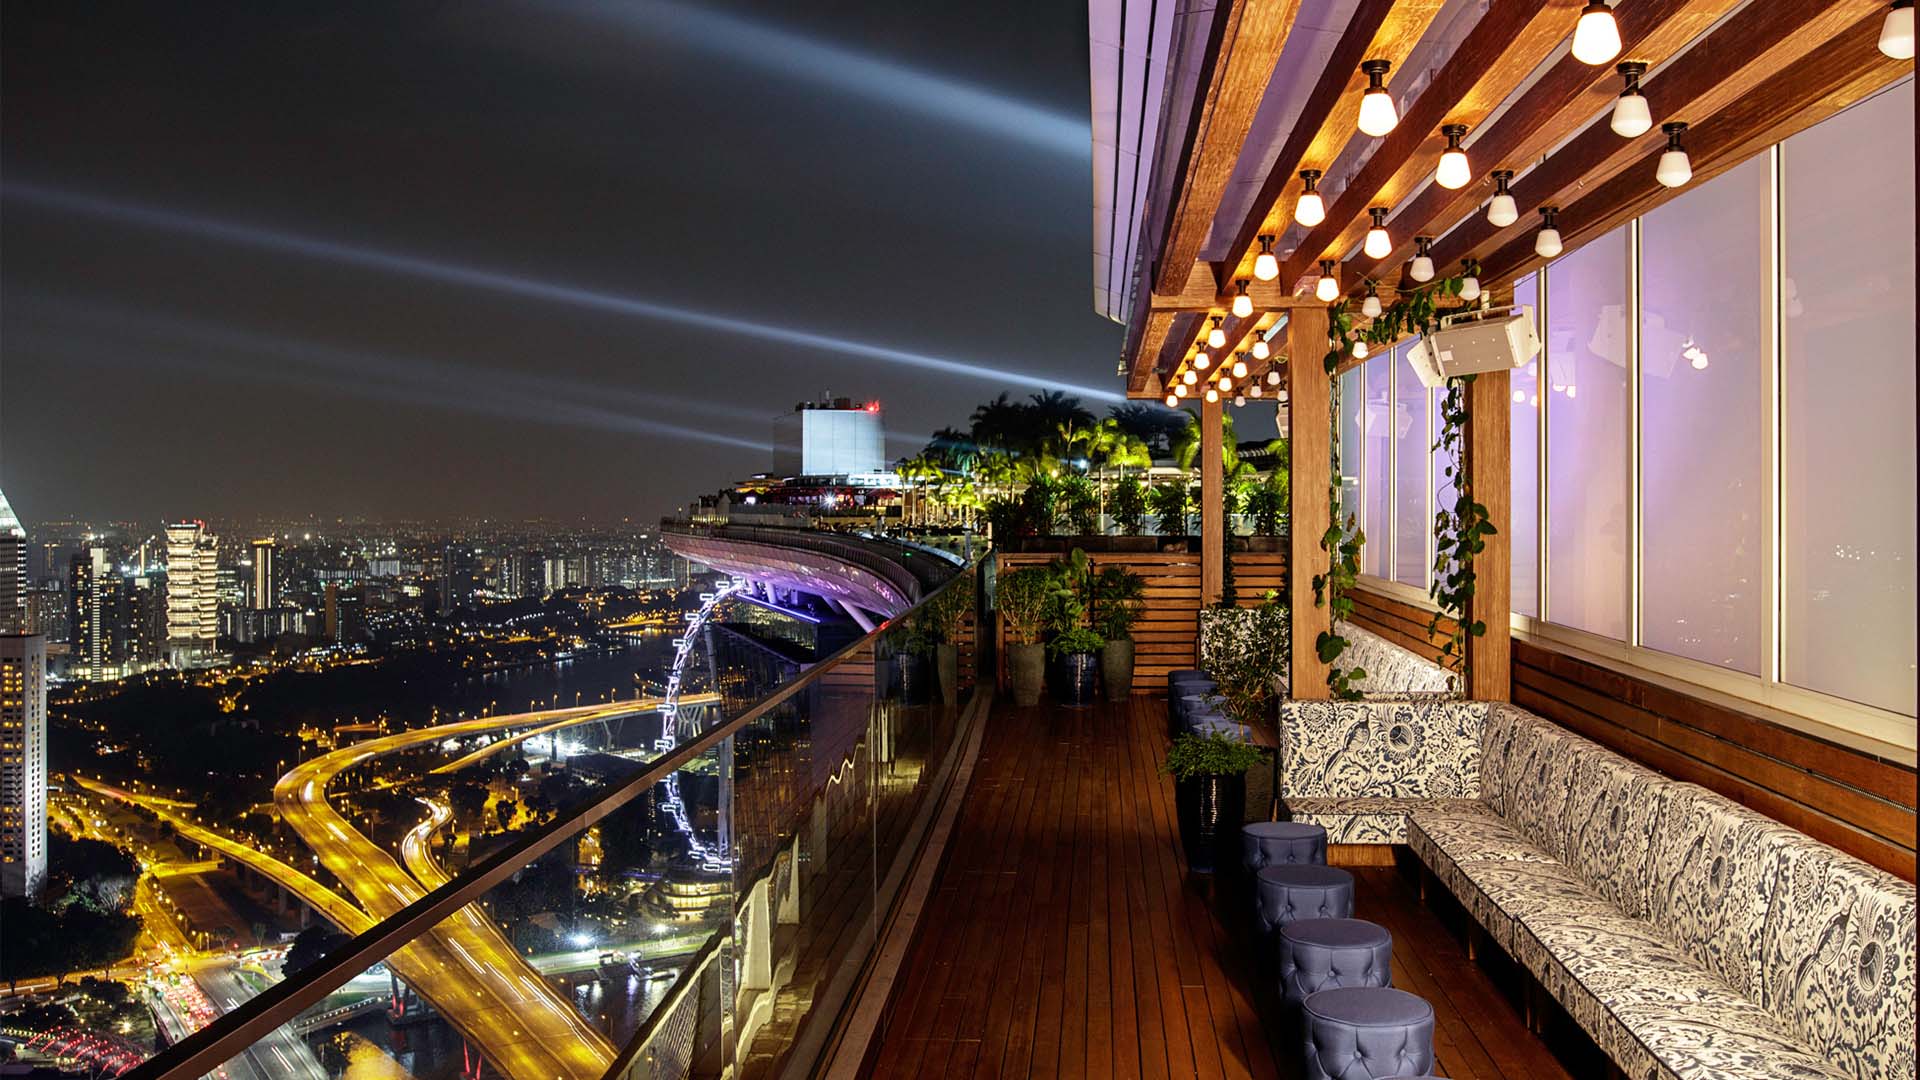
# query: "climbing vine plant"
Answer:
x=1459 y=530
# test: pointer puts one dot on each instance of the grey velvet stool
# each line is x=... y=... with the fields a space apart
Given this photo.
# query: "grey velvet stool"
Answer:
x=1278 y=843
x=1326 y=954
x=1295 y=891
x=1366 y=1032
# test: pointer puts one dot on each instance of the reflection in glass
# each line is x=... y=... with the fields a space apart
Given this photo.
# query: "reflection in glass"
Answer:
x=1703 y=270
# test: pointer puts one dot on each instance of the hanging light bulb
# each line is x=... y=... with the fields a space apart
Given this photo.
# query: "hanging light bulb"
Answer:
x=1502 y=211
x=1596 y=37
x=1327 y=290
x=1189 y=378
x=1674 y=169
x=1359 y=349
x=1242 y=303
x=1631 y=117
x=1546 y=242
x=1216 y=337
x=1310 y=210
x=1255 y=390
x=1265 y=266
x=1212 y=395
x=1201 y=361
x=1377 y=114
x=1281 y=396
x=1273 y=376
x=1896 y=33
x=1453 y=172
x=1370 y=307
x=1469 y=281
x=1180 y=389
x=1239 y=368
x=1421 y=268
x=1260 y=349
x=1378 y=246
x=1239 y=400
x=1173 y=400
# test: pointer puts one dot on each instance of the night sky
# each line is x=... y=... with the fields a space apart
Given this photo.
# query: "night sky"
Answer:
x=407 y=260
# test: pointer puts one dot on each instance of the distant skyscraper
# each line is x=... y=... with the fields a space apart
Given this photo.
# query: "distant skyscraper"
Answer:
x=13 y=570
x=193 y=599
x=265 y=595
x=97 y=622
x=23 y=764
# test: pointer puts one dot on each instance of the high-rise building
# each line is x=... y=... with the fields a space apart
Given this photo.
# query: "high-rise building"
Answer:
x=265 y=595
x=23 y=764
x=97 y=619
x=193 y=599
x=13 y=570
x=837 y=437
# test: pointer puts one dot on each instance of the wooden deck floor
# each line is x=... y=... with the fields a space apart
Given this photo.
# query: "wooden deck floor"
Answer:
x=1065 y=937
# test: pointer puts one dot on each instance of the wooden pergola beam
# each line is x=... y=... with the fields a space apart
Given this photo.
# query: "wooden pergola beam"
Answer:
x=1250 y=35
x=1379 y=30
x=1501 y=50
x=1309 y=392
x=1839 y=72
x=1567 y=96
x=1726 y=69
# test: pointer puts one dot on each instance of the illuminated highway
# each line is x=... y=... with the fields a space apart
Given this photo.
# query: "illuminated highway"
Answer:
x=473 y=975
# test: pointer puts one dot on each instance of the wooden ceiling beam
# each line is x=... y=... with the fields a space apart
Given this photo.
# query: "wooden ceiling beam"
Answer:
x=1379 y=30
x=1156 y=327
x=1200 y=294
x=1568 y=95
x=1502 y=49
x=1751 y=49
x=1839 y=72
x=1251 y=34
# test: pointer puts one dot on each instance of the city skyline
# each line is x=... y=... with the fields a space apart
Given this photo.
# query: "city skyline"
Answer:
x=352 y=304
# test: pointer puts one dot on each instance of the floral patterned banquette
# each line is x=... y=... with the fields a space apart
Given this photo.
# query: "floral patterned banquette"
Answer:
x=1691 y=937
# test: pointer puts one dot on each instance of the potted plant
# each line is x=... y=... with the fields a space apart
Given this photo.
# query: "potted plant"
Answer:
x=1209 y=785
x=943 y=615
x=1021 y=597
x=910 y=661
x=1074 y=646
x=1119 y=595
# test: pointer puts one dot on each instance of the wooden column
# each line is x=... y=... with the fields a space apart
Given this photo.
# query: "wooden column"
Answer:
x=1489 y=455
x=1311 y=431
x=1213 y=523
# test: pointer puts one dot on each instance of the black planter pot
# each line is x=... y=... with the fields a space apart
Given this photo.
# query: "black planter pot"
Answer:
x=1076 y=679
x=915 y=687
x=1211 y=809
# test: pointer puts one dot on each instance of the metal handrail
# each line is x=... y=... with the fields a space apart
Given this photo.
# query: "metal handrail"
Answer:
x=227 y=1037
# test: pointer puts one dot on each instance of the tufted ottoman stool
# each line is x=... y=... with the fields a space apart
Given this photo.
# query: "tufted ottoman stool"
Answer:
x=1295 y=891
x=1326 y=954
x=1364 y=1032
x=1279 y=843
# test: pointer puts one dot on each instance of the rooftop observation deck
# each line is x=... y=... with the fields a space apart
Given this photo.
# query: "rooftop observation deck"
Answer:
x=1065 y=936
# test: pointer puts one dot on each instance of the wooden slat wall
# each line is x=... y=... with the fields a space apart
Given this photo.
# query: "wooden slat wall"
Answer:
x=1163 y=640
x=1859 y=803
x=1403 y=624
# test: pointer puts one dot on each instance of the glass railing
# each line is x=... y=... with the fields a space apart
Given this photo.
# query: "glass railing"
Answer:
x=668 y=888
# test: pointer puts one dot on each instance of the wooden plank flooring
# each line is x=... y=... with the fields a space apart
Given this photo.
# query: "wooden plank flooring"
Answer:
x=1065 y=937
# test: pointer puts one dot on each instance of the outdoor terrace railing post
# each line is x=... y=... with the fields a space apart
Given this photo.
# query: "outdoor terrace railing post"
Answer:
x=1309 y=393
x=1213 y=518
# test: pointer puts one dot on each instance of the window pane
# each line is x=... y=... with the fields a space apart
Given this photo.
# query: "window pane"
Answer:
x=1702 y=364
x=1524 y=531
x=1411 y=526
x=1438 y=464
x=1350 y=449
x=1847 y=442
x=1378 y=484
x=1586 y=404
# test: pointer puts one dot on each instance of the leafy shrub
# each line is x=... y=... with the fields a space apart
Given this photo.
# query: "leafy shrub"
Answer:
x=1209 y=755
x=1077 y=639
x=1021 y=597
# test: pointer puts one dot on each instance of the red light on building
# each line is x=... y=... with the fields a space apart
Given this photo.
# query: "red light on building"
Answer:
x=873 y=406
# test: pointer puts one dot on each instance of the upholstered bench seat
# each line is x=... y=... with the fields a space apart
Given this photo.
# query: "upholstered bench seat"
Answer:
x=1690 y=937
x=1362 y=819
